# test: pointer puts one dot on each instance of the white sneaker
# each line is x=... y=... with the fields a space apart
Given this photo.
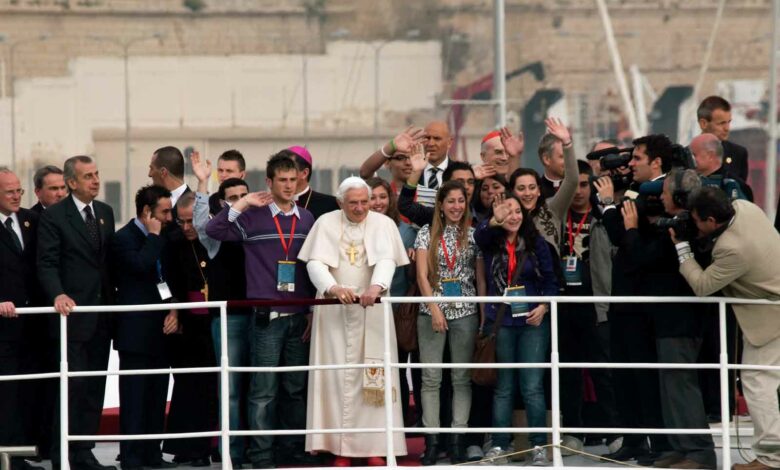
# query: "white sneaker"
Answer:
x=572 y=443
x=615 y=445
x=538 y=457
x=474 y=453
x=495 y=456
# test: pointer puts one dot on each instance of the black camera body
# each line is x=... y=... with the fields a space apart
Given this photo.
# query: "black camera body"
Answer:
x=613 y=159
x=684 y=227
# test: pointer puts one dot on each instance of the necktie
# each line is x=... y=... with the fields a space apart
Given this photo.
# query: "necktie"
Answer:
x=9 y=224
x=92 y=228
x=433 y=182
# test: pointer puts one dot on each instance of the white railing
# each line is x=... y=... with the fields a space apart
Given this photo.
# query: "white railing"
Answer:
x=555 y=365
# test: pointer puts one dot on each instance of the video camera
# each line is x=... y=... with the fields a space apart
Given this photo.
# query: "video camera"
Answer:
x=613 y=159
x=684 y=227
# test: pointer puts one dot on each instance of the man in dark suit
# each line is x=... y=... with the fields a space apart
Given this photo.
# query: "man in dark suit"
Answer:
x=49 y=187
x=40 y=352
x=314 y=202
x=714 y=115
x=136 y=251
x=73 y=243
x=166 y=169
x=18 y=288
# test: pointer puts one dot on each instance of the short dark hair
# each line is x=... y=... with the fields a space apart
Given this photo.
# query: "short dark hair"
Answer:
x=711 y=201
x=301 y=164
x=42 y=173
x=454 y=166
x=149 y=196
x=234 y=155
x=476 y=202
x=69 y=167
x=657 y=146
x=546 y=144
x=280 y=161
x=171 y=159
x=584 y=168
x=230 y=183
x=709 y=105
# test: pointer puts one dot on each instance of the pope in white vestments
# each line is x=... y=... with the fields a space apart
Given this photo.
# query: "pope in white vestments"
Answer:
x=351 y=255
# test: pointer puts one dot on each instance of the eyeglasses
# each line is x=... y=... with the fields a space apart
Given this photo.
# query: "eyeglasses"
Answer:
x=13 y=192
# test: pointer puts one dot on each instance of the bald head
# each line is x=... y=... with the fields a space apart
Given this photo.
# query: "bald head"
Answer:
x=708 y=152
x=437 y=141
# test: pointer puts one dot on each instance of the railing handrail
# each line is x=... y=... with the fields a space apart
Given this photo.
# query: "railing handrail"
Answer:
x=555 y=365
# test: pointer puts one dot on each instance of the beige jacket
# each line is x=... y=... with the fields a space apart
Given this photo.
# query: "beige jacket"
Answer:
x=745 y=264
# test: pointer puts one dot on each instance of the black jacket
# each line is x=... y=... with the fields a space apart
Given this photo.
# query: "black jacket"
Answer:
x=67 y=263
x=134 y=262
x=18 y=280
x=317 y=203
x=735 y=160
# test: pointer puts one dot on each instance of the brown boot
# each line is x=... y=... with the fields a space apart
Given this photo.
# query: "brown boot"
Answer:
x=754 y=465
x=688 y=463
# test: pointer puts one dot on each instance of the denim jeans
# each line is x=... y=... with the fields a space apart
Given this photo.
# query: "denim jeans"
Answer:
x=277 y=400
x=461 y=333
x=238 y=356
x=521 y=344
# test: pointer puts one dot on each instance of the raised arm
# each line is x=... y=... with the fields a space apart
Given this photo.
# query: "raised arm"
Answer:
x=403 y=143
x=560 y=203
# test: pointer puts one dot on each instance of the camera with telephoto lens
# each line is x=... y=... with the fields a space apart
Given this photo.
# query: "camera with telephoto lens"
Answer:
x=614 y=160
x=684 y=227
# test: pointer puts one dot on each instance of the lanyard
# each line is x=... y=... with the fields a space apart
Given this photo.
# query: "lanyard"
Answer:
x=572 y=236
x=511 y=261
x=285 y=245
x=450 y=262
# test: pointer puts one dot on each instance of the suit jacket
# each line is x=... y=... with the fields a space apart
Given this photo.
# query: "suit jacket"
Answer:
x=317 y=203
x=134 y=262
x=38 y=208
x=67 y=263
x=744 y=265
x=735 y=159
x=18 y=280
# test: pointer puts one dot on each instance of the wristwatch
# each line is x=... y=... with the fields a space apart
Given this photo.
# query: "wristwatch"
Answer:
x=607 y=201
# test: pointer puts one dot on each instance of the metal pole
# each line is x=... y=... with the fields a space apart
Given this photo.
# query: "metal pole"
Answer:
x=128 y=172
x=617 y=67
x=725 y=421
x=387 y=313
x=64 y=415
x=11 y=50
x=224 y=396
x=499 y=70
x=771 y=151
x=556 y=386
x=305 y=72
x=639 y=98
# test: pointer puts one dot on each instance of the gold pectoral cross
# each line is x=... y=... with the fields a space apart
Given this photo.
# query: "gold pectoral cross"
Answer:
x=352 y=251
x=205 y=292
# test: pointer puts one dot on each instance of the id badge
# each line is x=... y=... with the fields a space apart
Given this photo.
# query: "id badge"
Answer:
x=164 y=290
x=450 y=287
x=519 y=309
x=572 y=271
x=285 y=276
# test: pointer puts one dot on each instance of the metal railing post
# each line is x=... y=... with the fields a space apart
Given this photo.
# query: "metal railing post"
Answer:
x=387 y=313
x=224 y=396
x=556 y=385
x=725 y=420
x=64 y=415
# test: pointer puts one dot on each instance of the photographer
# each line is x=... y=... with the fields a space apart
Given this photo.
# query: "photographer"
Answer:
x=744 y=265
x=638 y=269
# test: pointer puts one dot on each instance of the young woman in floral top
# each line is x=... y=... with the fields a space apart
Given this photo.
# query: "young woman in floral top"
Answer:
x=448 y=261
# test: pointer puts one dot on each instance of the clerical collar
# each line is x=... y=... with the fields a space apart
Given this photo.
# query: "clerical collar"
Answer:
x=276 y=210
x=176 y=193
x=554 y=182
x=295 y=198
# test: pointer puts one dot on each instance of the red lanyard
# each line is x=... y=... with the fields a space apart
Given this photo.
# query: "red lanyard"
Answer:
x=450 y=263
x=511 y=261
x=285 y=245
x=572 y=236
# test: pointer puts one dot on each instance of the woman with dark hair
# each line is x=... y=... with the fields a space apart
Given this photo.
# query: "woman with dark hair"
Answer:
x=548 y=214
x=484 y=194
x=517 y=262
x=383 y=200
x=447 y=263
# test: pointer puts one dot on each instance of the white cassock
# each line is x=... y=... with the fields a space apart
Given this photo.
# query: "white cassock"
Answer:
x=338 y=251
